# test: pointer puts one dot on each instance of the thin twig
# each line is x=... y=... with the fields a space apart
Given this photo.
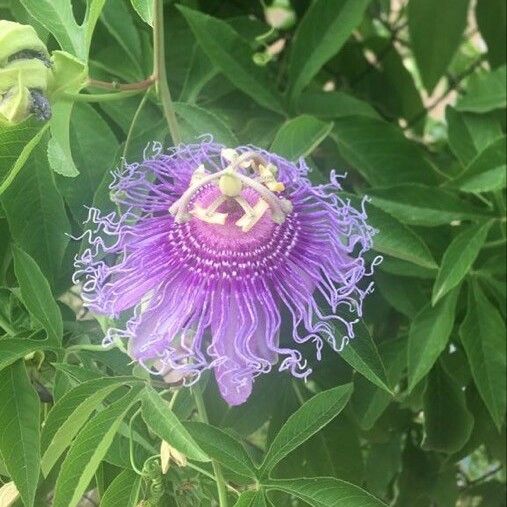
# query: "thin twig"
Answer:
x=115 y=85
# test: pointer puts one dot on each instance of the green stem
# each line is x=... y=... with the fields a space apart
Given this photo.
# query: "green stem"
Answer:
x=131 y=444
x=114 y=85
x=219 y=477
x=88 y=346
x=100 y=97
x=132 y=124
x=159 y=71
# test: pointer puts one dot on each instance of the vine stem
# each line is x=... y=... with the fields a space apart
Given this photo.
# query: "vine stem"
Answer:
x=217 y=470
x=114 y=85
x=159 y=71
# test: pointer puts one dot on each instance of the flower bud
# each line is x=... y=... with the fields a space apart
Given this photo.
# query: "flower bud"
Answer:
x=24 y=73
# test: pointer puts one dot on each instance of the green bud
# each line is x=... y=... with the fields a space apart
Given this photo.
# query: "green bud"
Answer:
x=15 y=38
x=24 y=73
x=280 y=15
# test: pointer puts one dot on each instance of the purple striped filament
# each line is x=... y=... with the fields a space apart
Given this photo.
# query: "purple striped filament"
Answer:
x=208 y=270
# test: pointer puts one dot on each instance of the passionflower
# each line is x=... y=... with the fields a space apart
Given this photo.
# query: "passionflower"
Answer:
x=213 y=249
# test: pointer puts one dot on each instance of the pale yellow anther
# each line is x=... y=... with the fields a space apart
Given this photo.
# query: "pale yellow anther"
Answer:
x=267 y=177
x=231 y=155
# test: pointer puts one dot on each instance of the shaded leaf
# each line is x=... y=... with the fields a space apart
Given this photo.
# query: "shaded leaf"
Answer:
x=36 y=214
x=330 y=105
x=447 y=420
x=459 y=258
x=123 y=490
x=12 y=349
x=88 y=450
x=195 y=121
x=19 y=430
x=483 y=337
x=421 y=205
x=362 y=354
x=162 y=421
x=486 y=172
x=433 y=54
x=428 y=336
x=299 y=136
x=470 y=133
x=491 y=18
x=325 y=492
x=37 y=296
x=69 y=415
x=305 y=422
x=380 y=152
x=232 y=55
x=321 y=33
x=485 y=92
x=222 y=447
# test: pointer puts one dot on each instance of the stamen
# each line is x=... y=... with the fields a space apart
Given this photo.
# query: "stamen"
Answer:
x=230 y=183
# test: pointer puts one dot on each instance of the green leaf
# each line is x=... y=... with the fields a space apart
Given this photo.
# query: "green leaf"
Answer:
x=69 y=415
x=57 y=17
x=123 y=490
x=145 y=10
x=37 y=296
x=233 y=56
x=362 y=354
x=325 y=492
x=93 y=148
x=200 y=72
x=12 y=349
x=428 y=336
x=299 y=136
x=118 y=21
x=491 y=18
x=393 y=238
x=483 y=337
x=19 y=430
x=251 y=499
x=94 y=8
x=13 y=140
x=421 y=205
x=70 y=76
x=485 y=92
x=305 y=422
x=321 y=33
x=448 y=423
x=380 y=152
x=162 y=421
x=36 y=214
x=196 y=121
x=331 y=105
x=470 y=133
x=368 y=401
x=88 y=450
x=434 y=53
x=222 y=447
x=459 y=258
x=486 y=172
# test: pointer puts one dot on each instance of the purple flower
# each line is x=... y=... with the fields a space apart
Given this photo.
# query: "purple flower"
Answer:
x=212 y=249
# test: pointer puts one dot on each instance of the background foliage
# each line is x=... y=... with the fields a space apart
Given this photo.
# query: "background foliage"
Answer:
x=408 y=98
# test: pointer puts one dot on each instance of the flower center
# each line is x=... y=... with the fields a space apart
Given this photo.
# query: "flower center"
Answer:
x=231 y=183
